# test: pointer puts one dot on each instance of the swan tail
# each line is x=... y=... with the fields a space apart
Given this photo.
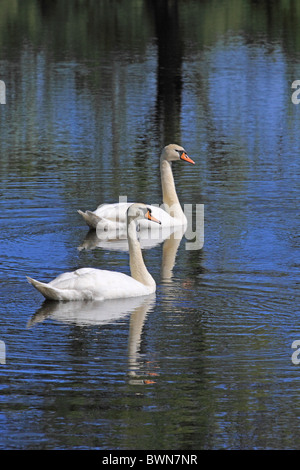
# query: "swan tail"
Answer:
x=90 y=218
x=49 y=292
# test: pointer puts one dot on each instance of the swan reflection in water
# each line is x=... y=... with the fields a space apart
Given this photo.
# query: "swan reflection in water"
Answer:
x=147 y=239
x=100 y=313
x=87 y=313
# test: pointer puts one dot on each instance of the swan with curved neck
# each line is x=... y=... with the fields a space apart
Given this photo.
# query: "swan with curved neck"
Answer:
x=98 y=284
x=111 y=216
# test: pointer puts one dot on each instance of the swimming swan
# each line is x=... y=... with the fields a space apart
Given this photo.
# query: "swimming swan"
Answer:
x=98 y=284
x=109 y=217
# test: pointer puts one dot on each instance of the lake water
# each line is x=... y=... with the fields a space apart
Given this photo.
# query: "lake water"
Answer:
x=94 y=90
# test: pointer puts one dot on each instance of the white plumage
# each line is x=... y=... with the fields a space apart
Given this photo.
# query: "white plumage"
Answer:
x=98 y=284
x=111 y=217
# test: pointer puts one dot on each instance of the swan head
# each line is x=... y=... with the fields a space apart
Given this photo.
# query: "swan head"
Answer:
x=174 y=152
x=140 y=211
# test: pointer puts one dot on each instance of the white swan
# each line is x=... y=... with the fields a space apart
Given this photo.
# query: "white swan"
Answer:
x=98 y=284
x=112 y=217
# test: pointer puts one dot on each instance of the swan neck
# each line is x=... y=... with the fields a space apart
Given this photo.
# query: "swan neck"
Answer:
x=138 y=269
x=170 y=198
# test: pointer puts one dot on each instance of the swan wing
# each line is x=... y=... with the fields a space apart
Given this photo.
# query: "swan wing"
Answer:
x=118 y=213
x=91 y=284
x=113 y=212
x=107 y=216
x=113 y=216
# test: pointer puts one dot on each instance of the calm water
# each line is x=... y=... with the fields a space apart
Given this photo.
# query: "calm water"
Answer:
x=94 y=90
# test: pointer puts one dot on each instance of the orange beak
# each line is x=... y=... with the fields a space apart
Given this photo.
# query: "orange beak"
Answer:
x=186 y=158
x=149 y=216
